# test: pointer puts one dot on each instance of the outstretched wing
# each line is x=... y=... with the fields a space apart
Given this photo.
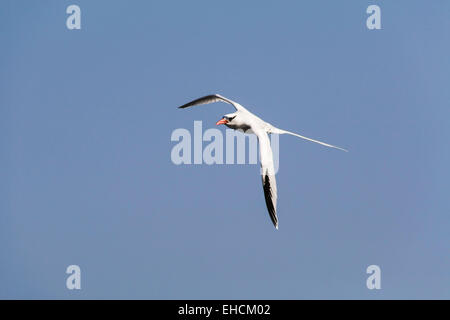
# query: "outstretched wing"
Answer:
x=268 y=175
x=210 y=99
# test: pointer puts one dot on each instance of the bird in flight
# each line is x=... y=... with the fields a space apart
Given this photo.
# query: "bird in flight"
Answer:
x=246 y=121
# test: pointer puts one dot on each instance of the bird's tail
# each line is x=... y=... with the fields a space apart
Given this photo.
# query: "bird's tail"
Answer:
x=280 y=131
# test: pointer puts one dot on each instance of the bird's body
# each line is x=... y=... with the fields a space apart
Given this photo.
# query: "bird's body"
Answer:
x=249 y=123
x=241 y=122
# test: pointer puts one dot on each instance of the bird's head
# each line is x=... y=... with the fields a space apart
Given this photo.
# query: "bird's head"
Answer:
x=226 y=119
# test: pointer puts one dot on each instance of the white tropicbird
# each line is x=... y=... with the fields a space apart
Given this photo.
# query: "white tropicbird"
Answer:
x=246 y=121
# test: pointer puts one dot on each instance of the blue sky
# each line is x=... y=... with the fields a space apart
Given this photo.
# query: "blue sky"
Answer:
x=85 y=123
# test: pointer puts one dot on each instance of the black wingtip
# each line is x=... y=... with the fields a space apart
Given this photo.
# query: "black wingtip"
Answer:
x=202 y=100
x=267 y=195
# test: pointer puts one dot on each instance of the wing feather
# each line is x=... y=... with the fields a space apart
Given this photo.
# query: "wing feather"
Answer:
x=210 y=99
x=268 y=176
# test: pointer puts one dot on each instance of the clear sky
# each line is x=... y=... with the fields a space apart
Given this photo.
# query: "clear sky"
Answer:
x=86 y=176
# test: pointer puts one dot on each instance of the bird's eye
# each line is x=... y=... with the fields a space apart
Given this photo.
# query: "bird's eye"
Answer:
x=229 y=119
